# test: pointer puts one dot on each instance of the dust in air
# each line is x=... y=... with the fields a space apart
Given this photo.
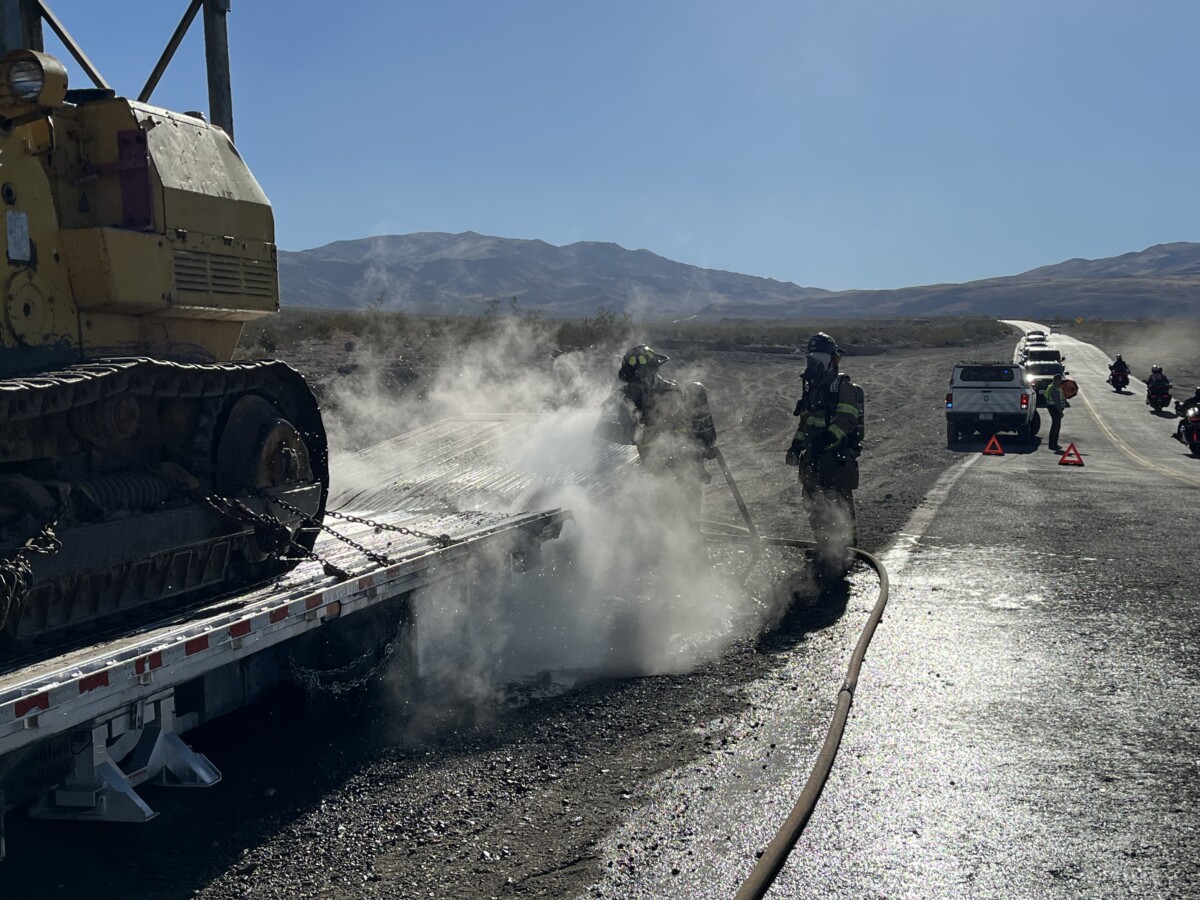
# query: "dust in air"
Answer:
x=628 y=589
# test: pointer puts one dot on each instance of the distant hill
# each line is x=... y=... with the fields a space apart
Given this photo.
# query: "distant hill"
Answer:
x=460 y=274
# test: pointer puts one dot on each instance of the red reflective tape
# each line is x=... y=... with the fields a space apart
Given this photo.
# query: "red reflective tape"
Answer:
x=91 y=682
x=29 y=704
x=153 y=661
x=240 y=629
x=278 y=615
x=195 y=645
x=312 y=602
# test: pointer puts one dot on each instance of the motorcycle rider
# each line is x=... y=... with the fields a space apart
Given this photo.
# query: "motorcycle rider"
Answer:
x=671 y=425
x=1119 y=365
x=825 y=449
x=1182 y=407
x=1157 y=377
x=1157 y=380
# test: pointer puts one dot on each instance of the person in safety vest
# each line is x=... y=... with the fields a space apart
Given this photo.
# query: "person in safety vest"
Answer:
x=670 y=424
x=1056 y=402
x=1119 y=365
x=826 y=449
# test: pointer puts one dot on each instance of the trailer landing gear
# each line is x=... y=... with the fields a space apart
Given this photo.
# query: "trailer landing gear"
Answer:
x=135 y=746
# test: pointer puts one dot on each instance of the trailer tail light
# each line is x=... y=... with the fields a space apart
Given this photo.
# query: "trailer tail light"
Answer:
x=949 y=401
x=1024 y=401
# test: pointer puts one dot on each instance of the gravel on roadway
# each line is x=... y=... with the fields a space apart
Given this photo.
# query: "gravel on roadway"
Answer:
x=515 y=799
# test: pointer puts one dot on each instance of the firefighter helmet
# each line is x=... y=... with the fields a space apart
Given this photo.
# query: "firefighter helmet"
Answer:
x=640 y=363
x=823 y=343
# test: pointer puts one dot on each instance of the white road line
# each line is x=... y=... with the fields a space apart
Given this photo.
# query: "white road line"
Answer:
x=1130 y=452
x=896 y=557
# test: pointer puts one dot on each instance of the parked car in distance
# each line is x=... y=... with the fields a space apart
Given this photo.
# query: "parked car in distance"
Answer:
x=1044 y=354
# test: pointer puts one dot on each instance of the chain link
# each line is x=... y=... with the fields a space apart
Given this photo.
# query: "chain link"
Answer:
x=317 y=682
x=442 y=540
x=240 y=512
x=16 y=572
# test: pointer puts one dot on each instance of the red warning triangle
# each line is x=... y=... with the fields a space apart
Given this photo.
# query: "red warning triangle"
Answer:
x=993 y=447
x=1070 y=457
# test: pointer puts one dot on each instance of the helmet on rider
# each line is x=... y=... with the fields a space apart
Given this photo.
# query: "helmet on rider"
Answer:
x=819 y=355
x=640 y=363
x=1157 y=370
x=1118 y=359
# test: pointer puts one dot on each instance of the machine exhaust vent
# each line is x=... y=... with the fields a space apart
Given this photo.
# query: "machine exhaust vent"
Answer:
x=206 y=273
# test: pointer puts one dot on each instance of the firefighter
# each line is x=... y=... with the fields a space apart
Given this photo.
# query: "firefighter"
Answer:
x=671 y=424
x=826 y=450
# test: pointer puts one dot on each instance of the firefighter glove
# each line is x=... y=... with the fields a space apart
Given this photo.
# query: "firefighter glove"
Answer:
x=824 y=441
x=793 y=454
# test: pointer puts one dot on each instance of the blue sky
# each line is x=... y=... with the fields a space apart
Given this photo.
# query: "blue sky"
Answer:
x=834 y=144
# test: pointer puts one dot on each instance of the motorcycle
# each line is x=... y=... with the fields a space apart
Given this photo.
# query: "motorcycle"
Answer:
x=1119 y=381
x=1158 y=396
x=1188 y=432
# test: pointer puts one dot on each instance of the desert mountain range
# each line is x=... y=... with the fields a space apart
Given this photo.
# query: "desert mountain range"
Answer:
x=460 y=274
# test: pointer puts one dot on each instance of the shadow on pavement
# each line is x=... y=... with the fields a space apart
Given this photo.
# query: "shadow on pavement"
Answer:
x=809 y=606
x=976 y=444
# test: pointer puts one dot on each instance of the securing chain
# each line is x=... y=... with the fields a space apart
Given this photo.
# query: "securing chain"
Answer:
x=280 y=534
x=330 y=681
x=16 y=572
x=441 y=540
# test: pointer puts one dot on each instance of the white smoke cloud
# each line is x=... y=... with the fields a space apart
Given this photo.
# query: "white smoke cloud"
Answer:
x=628 y=589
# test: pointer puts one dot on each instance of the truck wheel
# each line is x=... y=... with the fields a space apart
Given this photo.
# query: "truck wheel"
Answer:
x=951 y=433
x=1036 y=425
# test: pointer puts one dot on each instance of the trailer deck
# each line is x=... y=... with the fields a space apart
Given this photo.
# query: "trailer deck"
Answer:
x=106 y=711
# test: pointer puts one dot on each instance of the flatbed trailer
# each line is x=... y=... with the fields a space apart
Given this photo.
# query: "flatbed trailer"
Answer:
x=82 y=729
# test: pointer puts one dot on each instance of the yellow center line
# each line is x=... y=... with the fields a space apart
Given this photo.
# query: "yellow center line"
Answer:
x=1133 y=454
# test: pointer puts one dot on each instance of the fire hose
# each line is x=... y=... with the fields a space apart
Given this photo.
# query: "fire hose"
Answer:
x=775 y=856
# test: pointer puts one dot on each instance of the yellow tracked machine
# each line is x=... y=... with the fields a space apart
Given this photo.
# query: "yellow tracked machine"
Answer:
x=138 y=463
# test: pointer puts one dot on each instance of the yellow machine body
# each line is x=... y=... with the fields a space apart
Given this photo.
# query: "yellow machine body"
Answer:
x=131 y=230
x=139 y=464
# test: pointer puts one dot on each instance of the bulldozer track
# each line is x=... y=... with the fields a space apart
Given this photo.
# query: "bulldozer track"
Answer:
x=56 y=392
x=206 y=388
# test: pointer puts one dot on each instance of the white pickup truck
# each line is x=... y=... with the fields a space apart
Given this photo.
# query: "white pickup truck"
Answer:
x=989 y=397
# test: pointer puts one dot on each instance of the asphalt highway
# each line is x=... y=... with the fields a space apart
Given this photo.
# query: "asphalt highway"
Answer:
x=1027 y=723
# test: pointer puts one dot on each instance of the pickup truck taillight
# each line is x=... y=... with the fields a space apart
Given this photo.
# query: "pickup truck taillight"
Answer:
x=1024 y=401
x=949 y=401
